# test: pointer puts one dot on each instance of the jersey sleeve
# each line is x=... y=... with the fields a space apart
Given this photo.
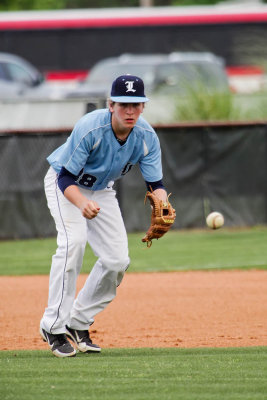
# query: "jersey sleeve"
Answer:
x=155 y=185
x=66 y=179
x=76 y=150
x=150 y=164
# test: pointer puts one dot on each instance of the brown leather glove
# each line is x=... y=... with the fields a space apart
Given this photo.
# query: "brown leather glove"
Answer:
x=162 y=218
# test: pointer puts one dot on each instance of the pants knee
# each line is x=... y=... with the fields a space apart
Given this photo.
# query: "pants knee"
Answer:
x=122 y=266
x=116 y=268
x=119 y=264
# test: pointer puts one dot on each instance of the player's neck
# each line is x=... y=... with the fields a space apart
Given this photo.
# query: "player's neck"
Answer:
x=122 y=135
x=121 y=138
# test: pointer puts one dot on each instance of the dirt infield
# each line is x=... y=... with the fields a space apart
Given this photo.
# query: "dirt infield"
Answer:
x=184 y=309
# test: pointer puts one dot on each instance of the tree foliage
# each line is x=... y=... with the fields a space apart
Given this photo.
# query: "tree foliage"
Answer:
x=19 y=5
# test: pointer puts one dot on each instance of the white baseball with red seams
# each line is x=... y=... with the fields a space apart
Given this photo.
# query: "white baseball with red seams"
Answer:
x=215 y=220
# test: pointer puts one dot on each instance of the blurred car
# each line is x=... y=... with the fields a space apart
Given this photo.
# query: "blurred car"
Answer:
x=19 y=79
x=168 y=79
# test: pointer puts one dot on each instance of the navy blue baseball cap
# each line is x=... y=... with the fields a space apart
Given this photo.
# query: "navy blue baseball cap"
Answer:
x=128 y=89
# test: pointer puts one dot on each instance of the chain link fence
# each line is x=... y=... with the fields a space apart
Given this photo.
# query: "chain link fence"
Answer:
x=215 y=167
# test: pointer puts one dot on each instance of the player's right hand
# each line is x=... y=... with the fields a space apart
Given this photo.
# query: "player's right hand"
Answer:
x=89 y=209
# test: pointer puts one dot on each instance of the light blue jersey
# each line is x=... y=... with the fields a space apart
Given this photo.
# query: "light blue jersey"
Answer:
x=93 y=153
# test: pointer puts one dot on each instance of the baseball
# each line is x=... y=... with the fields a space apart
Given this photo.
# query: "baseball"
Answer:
x=215 y=220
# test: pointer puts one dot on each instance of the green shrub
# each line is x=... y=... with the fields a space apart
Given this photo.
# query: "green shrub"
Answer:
x=200 y=104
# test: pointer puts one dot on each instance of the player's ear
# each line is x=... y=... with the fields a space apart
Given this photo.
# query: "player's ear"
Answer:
x=111 y=105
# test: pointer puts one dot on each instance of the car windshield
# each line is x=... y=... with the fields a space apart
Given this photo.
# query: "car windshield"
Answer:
x=180 y=77
x=19 y=74
x=104 y=74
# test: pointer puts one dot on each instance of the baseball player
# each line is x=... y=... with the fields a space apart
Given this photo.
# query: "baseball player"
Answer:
x=102 y=147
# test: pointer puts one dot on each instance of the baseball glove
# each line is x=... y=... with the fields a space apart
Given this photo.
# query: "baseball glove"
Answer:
x=162 y=218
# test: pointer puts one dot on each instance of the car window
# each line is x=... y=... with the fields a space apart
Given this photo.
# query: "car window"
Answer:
x=184 y=76
x=2 y=72
x=171 y=78
x=105 y=73
x=19 y=74
x=212 y=75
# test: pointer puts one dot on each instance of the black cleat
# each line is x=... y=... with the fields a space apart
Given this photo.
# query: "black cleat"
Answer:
x=59 y=344
x=82 y=341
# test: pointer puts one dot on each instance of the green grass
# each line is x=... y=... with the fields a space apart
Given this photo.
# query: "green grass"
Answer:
x=176 y=251
x=141 y=374
x=195 y=250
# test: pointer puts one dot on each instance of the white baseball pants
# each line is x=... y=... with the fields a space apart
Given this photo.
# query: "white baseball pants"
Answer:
x=107 y=237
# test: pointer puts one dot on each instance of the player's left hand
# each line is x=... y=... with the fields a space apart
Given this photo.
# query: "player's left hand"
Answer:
x=162 y=218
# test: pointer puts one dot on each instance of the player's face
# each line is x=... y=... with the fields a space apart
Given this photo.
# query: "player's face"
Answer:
x=125 y=116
